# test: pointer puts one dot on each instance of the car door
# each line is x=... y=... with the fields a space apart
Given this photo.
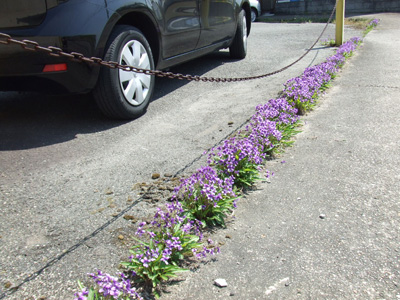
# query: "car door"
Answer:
x=217 y=19
x=181 y=26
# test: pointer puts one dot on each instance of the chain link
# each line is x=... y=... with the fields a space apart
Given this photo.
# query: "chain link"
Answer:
x=75 y=56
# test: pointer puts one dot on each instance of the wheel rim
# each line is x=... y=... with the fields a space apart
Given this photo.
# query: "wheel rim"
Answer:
x=244 y=33
x=253 y=15
x=135 y=86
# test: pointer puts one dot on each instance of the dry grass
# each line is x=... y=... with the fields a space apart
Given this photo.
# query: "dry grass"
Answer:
x=358 y=23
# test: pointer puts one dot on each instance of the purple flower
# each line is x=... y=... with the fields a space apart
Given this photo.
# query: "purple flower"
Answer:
x=373 y=23
x=82 y=295
x=110 y=286
x=206 y=184
x=234 y=150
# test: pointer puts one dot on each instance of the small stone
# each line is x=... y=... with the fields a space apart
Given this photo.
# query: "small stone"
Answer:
x=220 y=282
x=121 y=237
x=231 y=294
x=114 y=215
x=109 y=192
x=129 y=217
x=155 y=176
x=228 y=236
x=7 y=285
x=99 y=210
x=322 y=216
x=298 y=198
x=136 y=186
x=168 y=175
x=230 y=123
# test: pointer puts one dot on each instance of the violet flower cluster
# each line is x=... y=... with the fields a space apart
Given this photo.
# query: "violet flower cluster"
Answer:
x=373 y=23
x=206 y=197
x=347 y=49
x=205 y=183
x=110 y=287
x=233 y=151
x=307 y=87
x=168 y=231
x=164 y=242
x=277 y=120
x=203 y=253
x=262 y=132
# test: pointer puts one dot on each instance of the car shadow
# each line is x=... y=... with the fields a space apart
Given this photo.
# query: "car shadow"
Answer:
x=198 y=67
x=32 y=120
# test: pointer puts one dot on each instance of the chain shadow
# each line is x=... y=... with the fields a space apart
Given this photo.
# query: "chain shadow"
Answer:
x=33 y=120
x=199 y=67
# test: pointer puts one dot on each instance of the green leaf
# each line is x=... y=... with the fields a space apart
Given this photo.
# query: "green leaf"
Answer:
x=80 y=285
x=139 y=241
x=91 y=295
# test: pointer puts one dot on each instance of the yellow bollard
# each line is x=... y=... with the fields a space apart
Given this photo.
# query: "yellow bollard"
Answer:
x=339 y=22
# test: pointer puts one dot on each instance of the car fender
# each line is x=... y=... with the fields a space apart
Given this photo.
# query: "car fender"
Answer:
x=135 y=13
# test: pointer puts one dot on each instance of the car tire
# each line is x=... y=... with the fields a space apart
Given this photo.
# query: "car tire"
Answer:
x=238 y=48
x=254 y=14
x=120 y=94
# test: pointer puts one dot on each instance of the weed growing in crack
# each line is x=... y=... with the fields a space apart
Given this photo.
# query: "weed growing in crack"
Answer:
x=328 y=42
x=239 y=158
x=165 y=242
x=206 y=197
x=371 y=25
x=108 y=287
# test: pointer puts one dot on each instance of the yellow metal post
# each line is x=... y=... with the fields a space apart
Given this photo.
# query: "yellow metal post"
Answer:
x=339 y=22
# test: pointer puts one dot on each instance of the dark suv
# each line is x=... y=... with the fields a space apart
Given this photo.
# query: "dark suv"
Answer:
x=149 y=34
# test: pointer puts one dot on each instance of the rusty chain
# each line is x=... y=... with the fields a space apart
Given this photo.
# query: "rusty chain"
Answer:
x=75 y=56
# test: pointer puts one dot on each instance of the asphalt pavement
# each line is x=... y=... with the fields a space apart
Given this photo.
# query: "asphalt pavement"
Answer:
x=327 y=226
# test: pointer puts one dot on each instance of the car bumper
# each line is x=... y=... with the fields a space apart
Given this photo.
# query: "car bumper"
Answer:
x=22 y=69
